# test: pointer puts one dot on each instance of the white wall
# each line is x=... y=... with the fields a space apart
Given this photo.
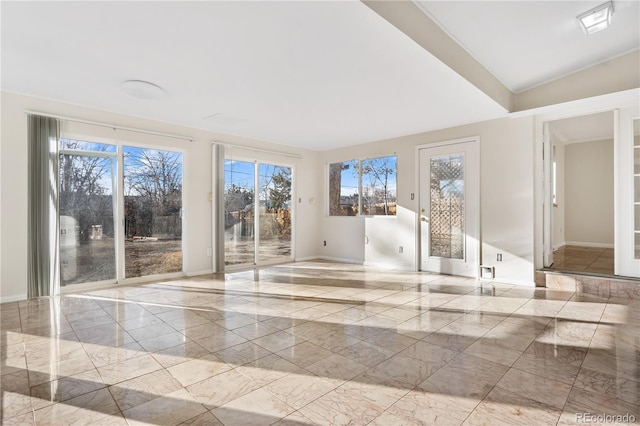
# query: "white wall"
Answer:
x=506 y=194
x=558 y=220
x=197 y=184
x=589 y=214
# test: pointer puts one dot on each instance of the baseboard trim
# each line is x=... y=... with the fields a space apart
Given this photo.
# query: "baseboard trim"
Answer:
x=341 y=259
x=16 y=298
x=196 y=273
x=390 y=266
x=583 y=244
x=306 y=259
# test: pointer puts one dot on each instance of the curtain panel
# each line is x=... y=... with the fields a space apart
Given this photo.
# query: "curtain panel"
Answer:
x=43 y=227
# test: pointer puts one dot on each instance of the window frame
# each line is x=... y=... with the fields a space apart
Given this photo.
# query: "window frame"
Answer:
x=359 y=164
x=120 y=142
x=257 y=159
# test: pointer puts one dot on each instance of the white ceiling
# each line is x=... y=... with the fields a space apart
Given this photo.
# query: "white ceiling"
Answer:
x=313 y=74
x=317 y=75
x=586 y=128
x=527 y=43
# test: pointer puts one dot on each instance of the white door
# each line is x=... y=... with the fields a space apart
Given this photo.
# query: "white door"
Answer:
x=548 y=177
x=449 y=208
x=627 y=143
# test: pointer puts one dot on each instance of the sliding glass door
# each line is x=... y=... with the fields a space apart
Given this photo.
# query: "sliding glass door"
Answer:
x=239 y=225
x=256 y=232
x=87 y=206
x=96 y=246
x=275 y=213
x=152 y=211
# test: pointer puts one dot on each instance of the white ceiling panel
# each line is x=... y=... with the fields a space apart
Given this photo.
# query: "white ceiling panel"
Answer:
x=527 y=43
x=318 y=75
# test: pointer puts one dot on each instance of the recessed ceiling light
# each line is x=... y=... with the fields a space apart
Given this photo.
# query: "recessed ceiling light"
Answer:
x=596 y=19
x=143 y=89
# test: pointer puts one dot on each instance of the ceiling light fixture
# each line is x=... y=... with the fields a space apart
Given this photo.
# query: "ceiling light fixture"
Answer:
x=596 y=19
x=143 y=89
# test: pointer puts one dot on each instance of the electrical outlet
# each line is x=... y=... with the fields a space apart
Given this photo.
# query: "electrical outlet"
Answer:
x=400 y=249
x=499 y=257
x=208 y=252
x=324 y=243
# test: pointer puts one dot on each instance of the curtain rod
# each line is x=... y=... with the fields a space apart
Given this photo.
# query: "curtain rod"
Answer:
x=266 y=151
x=111 y=126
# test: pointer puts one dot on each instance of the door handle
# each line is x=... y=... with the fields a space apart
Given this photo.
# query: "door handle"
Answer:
x=423 y=219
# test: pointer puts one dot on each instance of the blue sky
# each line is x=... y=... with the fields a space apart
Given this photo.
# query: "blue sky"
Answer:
x=349 y=177
x=242 y=173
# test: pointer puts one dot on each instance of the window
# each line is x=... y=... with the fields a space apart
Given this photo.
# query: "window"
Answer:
x=447 y=206
x=256 y=232
x=152 y=211
x=343 y=188
x=86 y=208
x=94 y=245
x=366 y=187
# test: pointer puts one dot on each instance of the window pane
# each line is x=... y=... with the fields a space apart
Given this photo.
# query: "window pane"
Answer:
x=87 y=246
x=447 y=207
x=152 y=211
x=343 y=188
x=239 y=190
x=379 y=186
x=86 y=146
x=275 y=212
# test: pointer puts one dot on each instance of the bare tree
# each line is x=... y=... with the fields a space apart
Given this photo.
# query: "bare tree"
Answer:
x=335 y=182
x=83 y=194
x=155 y=175
x=378 y=172
x=153 y=192
x=80 y=173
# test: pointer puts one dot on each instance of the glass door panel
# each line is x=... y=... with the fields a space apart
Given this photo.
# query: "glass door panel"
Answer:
x=447 y=206
x=275 y=212
x=152 y=211
x=86 y=209
x=239 y=227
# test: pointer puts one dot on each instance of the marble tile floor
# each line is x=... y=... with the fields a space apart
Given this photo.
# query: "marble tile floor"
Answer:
x=320 y=343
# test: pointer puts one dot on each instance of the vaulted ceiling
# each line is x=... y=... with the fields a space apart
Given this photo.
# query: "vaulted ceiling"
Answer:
x=317 y=75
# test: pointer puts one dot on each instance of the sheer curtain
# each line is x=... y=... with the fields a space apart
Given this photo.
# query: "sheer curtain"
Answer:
x=43 y=229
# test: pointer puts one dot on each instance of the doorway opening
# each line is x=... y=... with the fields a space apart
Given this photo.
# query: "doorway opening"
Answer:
x=581 y=173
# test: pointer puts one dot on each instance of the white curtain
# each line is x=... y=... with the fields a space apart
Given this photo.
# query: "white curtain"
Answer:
x=43 y=229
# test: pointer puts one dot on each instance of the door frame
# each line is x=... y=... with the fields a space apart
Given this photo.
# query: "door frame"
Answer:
x=475 y=217
x=219 y=154
x=615 y=103
x=119 y=213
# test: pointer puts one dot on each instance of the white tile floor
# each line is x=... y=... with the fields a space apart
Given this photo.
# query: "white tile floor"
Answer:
x=320 y=343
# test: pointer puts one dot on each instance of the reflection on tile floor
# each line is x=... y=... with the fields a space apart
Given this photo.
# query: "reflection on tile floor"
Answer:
x=320 y=343
x=592 y=260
